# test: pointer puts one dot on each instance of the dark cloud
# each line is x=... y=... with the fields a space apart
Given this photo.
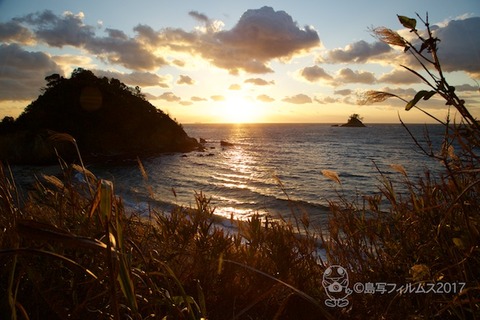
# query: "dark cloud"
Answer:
x=347 y=75
x=22 y=72
x=197 y=99
x=59 y=31
x=259 y=82
x=14 y=32
x=169 y=96
x=315 y=73
x=357 y=52
x=459 y=48
x=298 y=99
x=185 y=80
x=265 y=98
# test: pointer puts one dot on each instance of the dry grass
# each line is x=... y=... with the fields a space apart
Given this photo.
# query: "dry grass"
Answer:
x=68 y=254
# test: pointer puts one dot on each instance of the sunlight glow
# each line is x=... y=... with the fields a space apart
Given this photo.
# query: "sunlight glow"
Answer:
x=238 y=109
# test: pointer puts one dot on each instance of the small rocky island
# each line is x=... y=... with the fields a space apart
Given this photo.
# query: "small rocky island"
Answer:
x=354 y=121
x=104 y=117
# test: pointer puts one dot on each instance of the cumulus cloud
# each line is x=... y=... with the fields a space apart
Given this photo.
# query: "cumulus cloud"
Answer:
x=347 y=75
x=70 y=30
x=265 y=98
x=59 y=31
x=459 y=48
x=16 y=69
x=169 y=96
x=14 y=32
x=298 y=99
x=260 y=36
x=315 y=73
x=357 y=52
x=259 y=82
x=185 y=80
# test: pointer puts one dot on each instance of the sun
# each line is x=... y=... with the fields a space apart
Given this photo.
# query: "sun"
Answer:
x=238 y=109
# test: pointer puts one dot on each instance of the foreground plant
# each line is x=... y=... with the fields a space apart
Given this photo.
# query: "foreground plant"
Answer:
x=426 y=234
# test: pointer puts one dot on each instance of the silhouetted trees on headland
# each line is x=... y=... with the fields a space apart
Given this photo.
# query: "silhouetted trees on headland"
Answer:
x=105 y=117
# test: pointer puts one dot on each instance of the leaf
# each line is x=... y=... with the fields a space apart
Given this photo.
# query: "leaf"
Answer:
x=407 y=22
x=422 y=94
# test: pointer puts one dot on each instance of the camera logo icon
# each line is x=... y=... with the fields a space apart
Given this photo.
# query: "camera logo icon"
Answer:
x=335 y=283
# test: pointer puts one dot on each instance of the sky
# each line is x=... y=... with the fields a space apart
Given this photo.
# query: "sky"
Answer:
x=244 y=61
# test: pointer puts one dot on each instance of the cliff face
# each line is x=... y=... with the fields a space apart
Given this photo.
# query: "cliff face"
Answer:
x=104 y=116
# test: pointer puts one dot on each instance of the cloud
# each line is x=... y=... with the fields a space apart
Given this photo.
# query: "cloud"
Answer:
x=235 y=86
x=59 y=31
x=259 y=36
x=217 y=98
x=22 y=72
x=298 y=99
x=70 y=30
x=142 y=79
x=197 y=99
x=169 y=96
x=265 y=98
x=467 y=88
x=186 y=103
x=199 y=16
x=185 y=80
x=343 y=92
x=259 y=82
x=399 y=76
x=315 y=73
x=357 y=52
x=326 y=100
x=12 y=31
x=459 y=48
x=347 y=75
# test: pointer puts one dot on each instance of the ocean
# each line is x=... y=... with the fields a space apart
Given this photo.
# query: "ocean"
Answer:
x=274 y=169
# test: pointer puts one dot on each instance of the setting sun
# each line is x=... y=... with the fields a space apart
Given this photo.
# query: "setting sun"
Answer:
x=237 y=109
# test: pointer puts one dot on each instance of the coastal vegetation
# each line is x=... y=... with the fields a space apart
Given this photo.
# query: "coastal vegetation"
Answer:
x=70 y=249
x=107 y=119
x=354 y=121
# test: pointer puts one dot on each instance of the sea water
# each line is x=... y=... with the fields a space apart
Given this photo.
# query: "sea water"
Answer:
x=276 y=169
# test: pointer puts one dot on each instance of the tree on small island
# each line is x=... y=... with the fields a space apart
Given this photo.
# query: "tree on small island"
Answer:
x=354 y=121
x=106 y=118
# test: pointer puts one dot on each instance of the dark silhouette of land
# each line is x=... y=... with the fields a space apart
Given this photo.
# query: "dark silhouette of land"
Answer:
x=106 y=118
x=354 y=121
